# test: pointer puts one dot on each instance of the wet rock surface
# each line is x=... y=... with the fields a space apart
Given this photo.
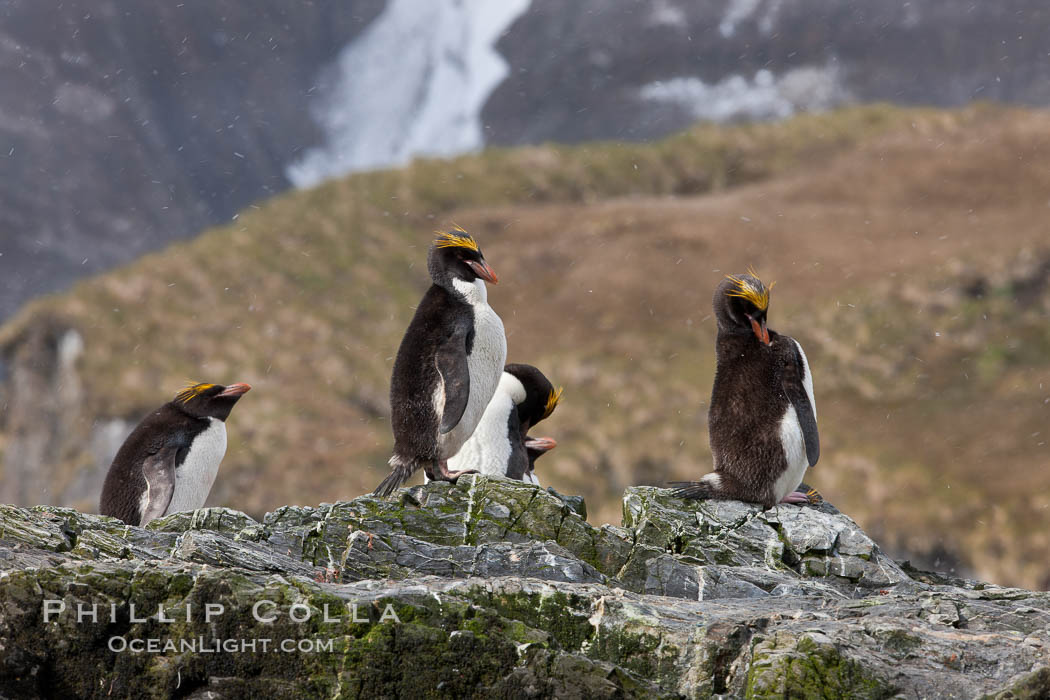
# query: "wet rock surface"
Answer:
x=490 y=588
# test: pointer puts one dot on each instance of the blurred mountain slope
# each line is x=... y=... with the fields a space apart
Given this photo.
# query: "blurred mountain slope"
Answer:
x=906 y=245
x=620 y=69
x=129 y=124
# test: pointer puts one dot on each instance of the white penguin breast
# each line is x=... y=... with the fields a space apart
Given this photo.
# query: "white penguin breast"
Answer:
x=195 y=476
x=794 y=452
x=488 y=449
x=484 y=364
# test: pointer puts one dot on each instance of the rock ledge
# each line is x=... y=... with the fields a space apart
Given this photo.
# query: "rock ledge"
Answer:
x=491 y=588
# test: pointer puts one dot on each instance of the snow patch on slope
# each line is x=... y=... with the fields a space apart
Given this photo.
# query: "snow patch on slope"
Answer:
x=737 y=11
x=663 y=13
x=766 y=96
x=412 y=84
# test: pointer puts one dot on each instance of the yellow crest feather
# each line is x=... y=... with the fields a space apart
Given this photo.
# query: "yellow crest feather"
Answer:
x=192 y=391
x=759 y=296
x=457 y=237
x=552 y=401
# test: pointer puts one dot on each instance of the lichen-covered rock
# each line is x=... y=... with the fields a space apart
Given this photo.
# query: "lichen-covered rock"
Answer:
x=492 y=588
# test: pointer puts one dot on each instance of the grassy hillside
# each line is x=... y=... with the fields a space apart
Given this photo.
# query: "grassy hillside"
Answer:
x=907 y=246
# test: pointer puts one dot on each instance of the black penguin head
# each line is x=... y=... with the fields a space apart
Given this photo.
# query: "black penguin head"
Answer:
x=741 y=303
x=541 y=398
x=456 y=255
x=209 y=400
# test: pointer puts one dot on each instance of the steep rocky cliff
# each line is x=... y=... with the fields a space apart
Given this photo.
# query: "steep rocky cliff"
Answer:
x=497 y=589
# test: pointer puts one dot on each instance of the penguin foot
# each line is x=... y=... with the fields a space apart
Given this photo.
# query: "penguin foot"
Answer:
x=795 y=497
x=446 y=474
x=815 y=499
x=452 y=476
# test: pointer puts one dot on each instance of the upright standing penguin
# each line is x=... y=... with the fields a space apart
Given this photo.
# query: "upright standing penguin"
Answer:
x=763 y=420
x=499 y=445
x=448 y=365
x=169 y=462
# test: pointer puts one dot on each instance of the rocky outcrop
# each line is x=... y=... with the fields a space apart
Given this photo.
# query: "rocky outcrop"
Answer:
x=41 y=396
x=51 y=449
x=490 y=588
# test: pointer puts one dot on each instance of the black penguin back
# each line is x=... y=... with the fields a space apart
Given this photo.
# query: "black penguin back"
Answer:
x=415 y=377
x=747 y=405
x=166 y=428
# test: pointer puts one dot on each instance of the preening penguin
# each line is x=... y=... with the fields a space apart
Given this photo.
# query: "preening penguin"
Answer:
x=763 y=419
x=448 y=365
x=499 y=445
x=169 y=462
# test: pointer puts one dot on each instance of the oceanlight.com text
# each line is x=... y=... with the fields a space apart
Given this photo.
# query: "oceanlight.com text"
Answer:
x=200 y=645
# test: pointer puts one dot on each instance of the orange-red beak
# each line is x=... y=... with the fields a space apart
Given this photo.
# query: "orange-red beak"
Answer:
x=236 y=390
x=761 y=332
x=543 y=444
x=482 y=270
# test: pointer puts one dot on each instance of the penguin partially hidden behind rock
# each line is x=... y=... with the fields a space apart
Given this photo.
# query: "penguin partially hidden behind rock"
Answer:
x=536 y=448
x=763 y=420
x=169 y=462
x=500 y=445
x=449 y=363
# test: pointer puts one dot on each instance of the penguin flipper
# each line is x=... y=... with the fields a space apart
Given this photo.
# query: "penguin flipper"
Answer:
x=455 y=375
x=159 y=471
x=797 y=383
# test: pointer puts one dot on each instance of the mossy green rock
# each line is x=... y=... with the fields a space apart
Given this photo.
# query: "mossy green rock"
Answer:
x=491 y=588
